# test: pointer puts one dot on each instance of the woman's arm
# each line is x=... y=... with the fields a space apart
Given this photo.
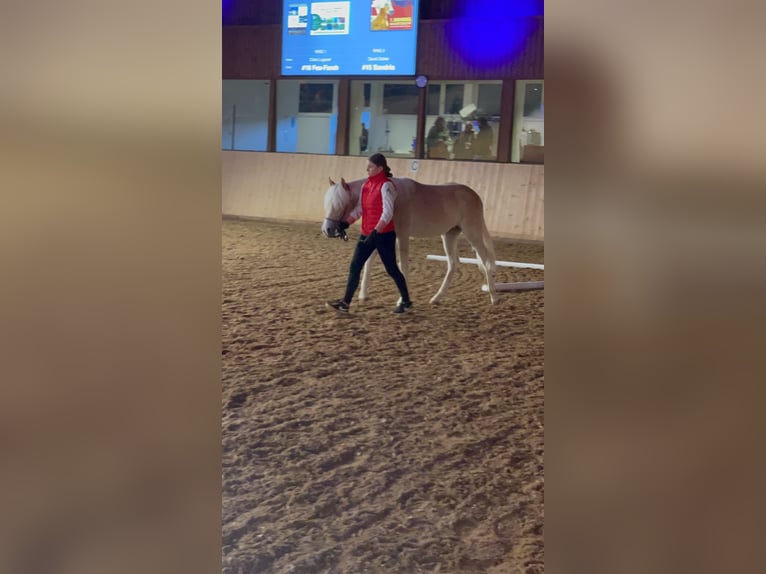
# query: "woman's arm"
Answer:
x=356 y=213
x=388 y=194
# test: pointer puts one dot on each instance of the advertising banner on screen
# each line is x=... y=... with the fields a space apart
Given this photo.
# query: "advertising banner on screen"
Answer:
x=352 y=38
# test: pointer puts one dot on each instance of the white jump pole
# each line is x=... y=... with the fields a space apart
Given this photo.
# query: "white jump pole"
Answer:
x=516 y=287
x=498 y=263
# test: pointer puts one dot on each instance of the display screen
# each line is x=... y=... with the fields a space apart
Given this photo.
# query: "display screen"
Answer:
x=352 y=38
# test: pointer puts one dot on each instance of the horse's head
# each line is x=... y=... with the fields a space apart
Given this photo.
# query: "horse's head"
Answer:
x=338 y=203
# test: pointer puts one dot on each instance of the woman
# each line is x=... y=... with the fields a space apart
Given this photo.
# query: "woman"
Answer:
x=438 y=140
x=464 y=142
x=376 y=206
x=363 y=139
x=484 y=139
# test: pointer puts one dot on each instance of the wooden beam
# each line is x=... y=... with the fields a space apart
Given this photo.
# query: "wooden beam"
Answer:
x=498 y=263
x=420 y=130
x=505 y=129
x=341 y=136
x=271 y=138
x=516 y=287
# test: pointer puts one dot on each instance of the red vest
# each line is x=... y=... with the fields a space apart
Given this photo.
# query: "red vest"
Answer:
x=372 y=204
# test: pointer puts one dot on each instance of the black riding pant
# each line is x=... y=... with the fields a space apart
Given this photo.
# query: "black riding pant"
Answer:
x=385 y=243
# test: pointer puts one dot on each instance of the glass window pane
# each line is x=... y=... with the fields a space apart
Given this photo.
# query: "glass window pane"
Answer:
x=462 y=120
x=383 y=118
x=367 y=95
x=528 y=140
x=489 y=99
x=400 y=99
x=432 y=103
x=315 y=98
x=245 y=114
x=307 y=116
x=533 y=99
x=453 y=99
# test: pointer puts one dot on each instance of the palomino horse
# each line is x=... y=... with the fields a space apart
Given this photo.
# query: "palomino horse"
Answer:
x=422 y=211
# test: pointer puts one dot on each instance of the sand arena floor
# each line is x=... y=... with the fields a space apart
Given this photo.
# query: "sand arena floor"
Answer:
x=375 y=442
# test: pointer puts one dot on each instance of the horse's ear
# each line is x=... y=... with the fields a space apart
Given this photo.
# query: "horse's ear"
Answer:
x=331 y=181
x=346 y=186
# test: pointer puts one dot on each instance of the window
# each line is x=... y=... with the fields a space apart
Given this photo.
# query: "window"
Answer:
x=307 y=116
x=489 y=99
x=367 y=95
x=245 y=114
x=383 y=118
x=432 y=103
x=462 y=120
x=528 y=140
x=400 y=99
x=453 y=98
x=315 y=98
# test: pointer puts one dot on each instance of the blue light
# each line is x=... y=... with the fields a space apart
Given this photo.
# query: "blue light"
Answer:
x=494 y=9
x=490 y=33
x=226 y=7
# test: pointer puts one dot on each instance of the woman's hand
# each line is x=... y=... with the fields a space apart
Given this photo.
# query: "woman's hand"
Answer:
x=371 y=238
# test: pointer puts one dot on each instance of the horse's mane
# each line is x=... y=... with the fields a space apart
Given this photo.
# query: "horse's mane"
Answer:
x=336 y=199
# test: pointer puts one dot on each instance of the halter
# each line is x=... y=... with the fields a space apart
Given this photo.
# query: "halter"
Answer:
x=337 y=230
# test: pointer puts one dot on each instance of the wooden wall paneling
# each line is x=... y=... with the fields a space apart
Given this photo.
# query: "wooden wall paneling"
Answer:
x=264 y=12
x=291 y=187
x=255 y=52
x=438 y=59
x=228 y=54
x=438 y=9
x=252 y=13
x=251 y=52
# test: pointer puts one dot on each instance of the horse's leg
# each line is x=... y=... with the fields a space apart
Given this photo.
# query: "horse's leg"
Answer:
x=365 y=280
x=449 y=240
x=481 y=241
x=403 y=244
x=489 y=267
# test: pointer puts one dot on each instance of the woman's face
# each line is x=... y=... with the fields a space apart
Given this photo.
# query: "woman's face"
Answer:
x=373 y=169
